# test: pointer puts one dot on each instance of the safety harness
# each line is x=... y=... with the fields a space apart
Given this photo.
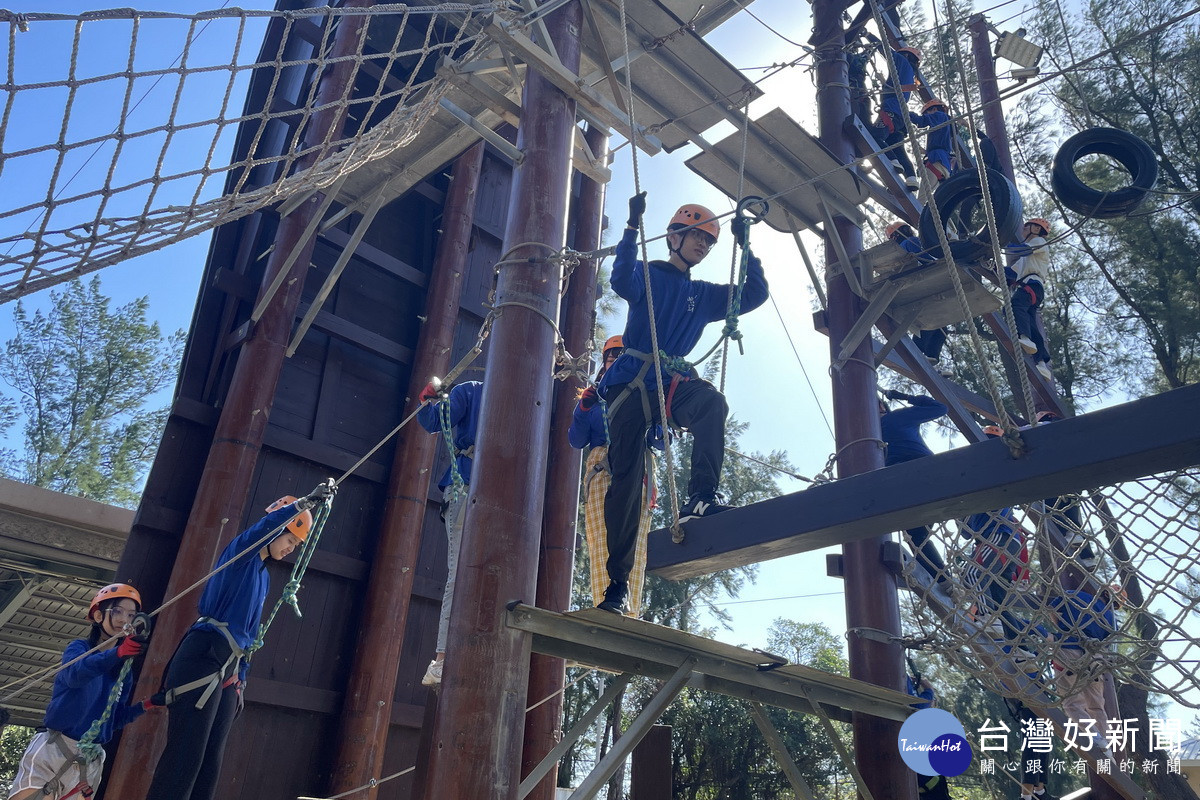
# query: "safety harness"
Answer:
x=71 y=757
x=222 y=678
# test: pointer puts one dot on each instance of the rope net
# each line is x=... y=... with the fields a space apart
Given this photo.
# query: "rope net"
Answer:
x=119 y=178
x=1106 y=581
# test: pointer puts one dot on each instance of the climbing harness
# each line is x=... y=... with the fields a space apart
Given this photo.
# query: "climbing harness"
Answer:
x=221 y=678
x=78 y=758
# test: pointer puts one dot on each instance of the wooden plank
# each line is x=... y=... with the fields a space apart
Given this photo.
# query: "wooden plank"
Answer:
x=1102 y=447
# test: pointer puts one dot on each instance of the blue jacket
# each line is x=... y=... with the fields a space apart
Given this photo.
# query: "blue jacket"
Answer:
x=925 y=695
x=901 y=429
x=1080 y=611
x=906 y=76
x=465 y=400
x=913 y=245
x=995 y=539
x=587 y=430
x=940 y=142
x=682 y=308
x=81 y=693
x=236 y=594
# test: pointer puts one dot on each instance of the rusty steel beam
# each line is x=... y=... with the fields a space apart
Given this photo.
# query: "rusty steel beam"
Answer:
x=366 y=713
x=478 y=735
x=229 y=469
x=872 y=599
x=543 y=725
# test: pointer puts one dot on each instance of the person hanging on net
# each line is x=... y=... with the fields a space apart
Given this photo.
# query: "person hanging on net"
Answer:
x=683 y=306
x=206 y=678
x=900 y=430
x=930 y=342
x=1085 y=626
x=589 y=429
x=1025 y=278
x=939 y=143
x=897 y=88
x=456 y=411
x=54 y=766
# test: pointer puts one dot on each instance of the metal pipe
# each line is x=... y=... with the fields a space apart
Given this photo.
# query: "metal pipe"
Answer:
x=481 y=715
x=366 y=710
x=224 y=487
x=871 y=594
x=989 y=93
x=543 y=725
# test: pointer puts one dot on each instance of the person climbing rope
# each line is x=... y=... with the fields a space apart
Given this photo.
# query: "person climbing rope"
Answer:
x=60 y=761
x=939 y=143
x=683 y=306
x=897 y=88
x=930 y=342
x=1025 y=278
x=589 y=428
x=901 y=432
x=455 y=415
x=206 y=677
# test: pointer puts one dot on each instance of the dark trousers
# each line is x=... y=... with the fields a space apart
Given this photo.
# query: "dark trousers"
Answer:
x=191 y=762
x=697 y=406
x=894 y=133
x=1033 y=764
x=1026 y=302
x=930 y=343
x=926 y=553
x=932 y=787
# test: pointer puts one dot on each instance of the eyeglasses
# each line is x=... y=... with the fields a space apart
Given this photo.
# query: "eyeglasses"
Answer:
x=120 y=613
x=706 y=238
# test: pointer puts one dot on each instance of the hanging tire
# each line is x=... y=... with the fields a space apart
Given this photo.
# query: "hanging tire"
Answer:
x=1123 y=147
x=959 y=204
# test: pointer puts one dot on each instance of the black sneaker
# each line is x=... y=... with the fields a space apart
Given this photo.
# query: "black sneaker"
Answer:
x=614 y=598
x=701 y=505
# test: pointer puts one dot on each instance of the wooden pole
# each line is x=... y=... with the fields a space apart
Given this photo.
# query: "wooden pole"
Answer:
x=989 y=93
x=481 y=716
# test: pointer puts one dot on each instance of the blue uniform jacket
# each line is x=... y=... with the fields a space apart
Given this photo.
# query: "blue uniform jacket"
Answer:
x=236 y=594
x=940 y=142
x=926 y=695
x=1080 y=611
x=682 y=308
x=901 y=429
x=81 y=693
x=906 y=75
x=587 y=430
x=465 y=399
x=913 y=245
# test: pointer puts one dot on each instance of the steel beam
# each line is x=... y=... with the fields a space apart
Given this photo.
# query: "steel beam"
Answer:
x=1121 y=443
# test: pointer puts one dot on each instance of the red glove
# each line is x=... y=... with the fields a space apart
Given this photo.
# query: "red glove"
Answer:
x=156 y=700
x=428 y=393
x=129 y=647
x=588 y=398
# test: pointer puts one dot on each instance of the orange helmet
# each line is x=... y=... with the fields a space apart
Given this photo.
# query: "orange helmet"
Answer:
x=1120 y=598
x=993 y=430
x=916 y=53
x=1047 y=416
x=613 y=343
x=1044 y=223
x=114 y=591
x=691 y=215
x=301 y=524
x=934 y=103
x=895 y=226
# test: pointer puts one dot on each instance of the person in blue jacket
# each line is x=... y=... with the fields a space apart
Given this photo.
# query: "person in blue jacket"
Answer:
x=901 y=432
x=683 y=307
x=939 y=144
x=52 y=765
x=589 y=429
x=1081 y=620
x=929 y=787
x=459 y=408
x=894 y=106
x=204 y=683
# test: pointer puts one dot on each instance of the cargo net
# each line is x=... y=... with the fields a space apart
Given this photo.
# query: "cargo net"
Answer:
x=110 y=149
x=1046 y=596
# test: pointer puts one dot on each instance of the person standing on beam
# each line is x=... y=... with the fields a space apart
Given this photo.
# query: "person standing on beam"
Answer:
x=683 y=306
x=901 y=432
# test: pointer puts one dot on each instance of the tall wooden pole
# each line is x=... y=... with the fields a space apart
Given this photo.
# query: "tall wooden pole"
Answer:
x=989 y=93
x=367 y=707
x=229 y=469
x=871 y=592
x=543 y=725
x=481 y=715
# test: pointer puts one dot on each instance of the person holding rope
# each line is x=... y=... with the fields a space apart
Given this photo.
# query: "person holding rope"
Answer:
x=897 y=88
x=455 y=415
x=589 y=428
x=683 y=306
x=57 y=764
x=1025 y=278
x=206 y=677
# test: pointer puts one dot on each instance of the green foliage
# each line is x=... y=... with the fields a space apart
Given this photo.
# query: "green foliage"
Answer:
x=83 y=373
x=13 y=742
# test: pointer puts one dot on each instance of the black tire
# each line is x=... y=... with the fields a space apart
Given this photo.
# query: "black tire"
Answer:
x=958 y=198
x=1121 y=146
